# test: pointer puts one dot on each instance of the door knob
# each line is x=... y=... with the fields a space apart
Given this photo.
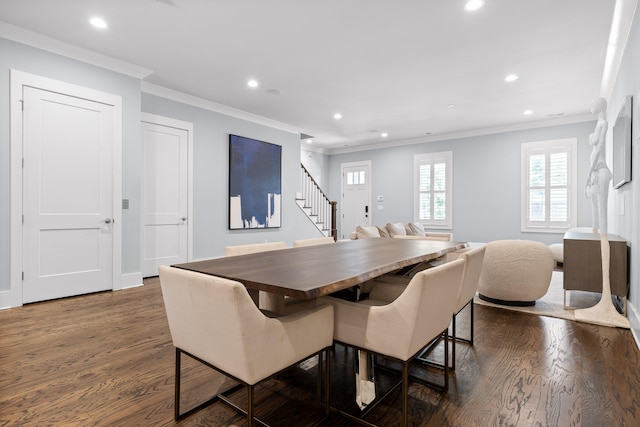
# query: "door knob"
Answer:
x=107 y=220
x=184 y=218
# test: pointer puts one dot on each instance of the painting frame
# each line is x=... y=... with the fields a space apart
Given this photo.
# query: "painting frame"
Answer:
x=255 y=184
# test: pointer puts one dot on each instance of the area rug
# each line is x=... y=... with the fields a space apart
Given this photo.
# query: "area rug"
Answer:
x=552 y=304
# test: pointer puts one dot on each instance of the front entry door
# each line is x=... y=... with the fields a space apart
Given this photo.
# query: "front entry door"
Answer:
x=356 y=197
x=164 y=195
x=67 y=195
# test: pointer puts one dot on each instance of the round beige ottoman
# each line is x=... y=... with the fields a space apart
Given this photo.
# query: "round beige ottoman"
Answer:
x=515 y=272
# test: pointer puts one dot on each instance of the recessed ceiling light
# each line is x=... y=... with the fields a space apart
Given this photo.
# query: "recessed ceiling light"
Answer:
x=98 y=22
x=472 y=5
x=528 y=112
x=252 y=83
x=309 y=141
x=384 y=134
x=451 y=105
x=337 y=116
x=511 y=78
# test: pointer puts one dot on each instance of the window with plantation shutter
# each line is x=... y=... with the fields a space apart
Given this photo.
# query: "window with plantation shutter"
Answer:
x=549 y=185
x=433 y=189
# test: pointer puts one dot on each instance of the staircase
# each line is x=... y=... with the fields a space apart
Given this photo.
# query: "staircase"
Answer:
x=316 y=205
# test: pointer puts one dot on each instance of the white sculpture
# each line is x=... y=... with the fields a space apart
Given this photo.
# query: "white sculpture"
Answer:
x=597 y=189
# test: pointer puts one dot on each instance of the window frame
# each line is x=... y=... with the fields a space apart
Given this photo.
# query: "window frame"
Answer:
x=432 y=158
x=528 y=149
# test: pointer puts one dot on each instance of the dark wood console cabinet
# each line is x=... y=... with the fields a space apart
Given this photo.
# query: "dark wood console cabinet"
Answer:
x=583 y=263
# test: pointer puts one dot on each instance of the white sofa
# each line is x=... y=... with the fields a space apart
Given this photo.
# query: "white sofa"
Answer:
x=399 y=230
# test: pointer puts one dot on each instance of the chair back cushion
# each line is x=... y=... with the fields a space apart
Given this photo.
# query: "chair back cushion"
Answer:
x=404 y=326
x=472 y=269
x=313 y=242
x=253 y=248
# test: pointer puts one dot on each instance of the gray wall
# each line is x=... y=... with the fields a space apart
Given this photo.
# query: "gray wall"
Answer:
x=210 y=159
x=210 y=178
x=486 y=181
x=627 y=198
x=24 y=58
x=318 y=166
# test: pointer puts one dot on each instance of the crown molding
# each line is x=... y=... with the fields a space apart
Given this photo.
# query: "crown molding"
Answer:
x=174 y=95
x=623 y=15
x=581 y=118
x=315 y=149
x=39 y=41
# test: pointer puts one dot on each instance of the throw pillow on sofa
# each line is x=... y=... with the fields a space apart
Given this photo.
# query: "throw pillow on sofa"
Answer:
x=416 y=229
x=366 y=232
x=383 y=232
x=396 y=229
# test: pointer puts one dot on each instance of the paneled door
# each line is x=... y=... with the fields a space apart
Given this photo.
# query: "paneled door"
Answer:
x=68 y=167
x=356 y=197
x=164 y=196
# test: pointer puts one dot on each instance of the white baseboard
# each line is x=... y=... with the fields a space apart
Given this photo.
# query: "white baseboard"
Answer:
x=130 y=280
x=634 y=319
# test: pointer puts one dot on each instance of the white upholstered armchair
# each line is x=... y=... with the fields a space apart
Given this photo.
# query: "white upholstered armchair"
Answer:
x=215 y=321
x=401 y=329
x=388 y=288
x=313 y=242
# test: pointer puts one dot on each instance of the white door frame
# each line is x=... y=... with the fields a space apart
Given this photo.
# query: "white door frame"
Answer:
x=343 y=166
x=188 y=126
x=13 y=297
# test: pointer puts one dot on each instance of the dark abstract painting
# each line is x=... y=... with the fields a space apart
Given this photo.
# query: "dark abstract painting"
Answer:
x=254 y=183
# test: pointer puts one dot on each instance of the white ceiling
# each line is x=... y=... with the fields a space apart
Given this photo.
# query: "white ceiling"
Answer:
x=387 y=66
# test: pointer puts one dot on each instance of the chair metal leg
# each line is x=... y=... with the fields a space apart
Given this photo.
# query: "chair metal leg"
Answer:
x=250 y=405
x=456 y=338
x=327 y=380
x=471 y=323
x=176 y=405
x=453 y=343
x=320 y=376
x=446 y=360
x=405 y=394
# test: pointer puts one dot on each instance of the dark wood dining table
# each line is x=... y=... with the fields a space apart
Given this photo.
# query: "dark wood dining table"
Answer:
x=314 y=271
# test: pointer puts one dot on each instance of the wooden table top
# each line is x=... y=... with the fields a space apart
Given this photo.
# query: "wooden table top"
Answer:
x=313 y=271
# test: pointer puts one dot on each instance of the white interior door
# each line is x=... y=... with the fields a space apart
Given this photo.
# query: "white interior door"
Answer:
x=68 y=163
x=356 y=197
x=164 y=195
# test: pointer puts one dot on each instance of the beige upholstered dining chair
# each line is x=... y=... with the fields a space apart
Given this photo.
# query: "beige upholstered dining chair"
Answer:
x=253 y=248
x=389 y=288
x=214 y=321
x=402 y=328
x=472 y=268
x=313 y=242
x=262 y=299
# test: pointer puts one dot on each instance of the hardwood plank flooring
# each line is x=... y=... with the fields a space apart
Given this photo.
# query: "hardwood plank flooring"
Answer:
x=107 y=359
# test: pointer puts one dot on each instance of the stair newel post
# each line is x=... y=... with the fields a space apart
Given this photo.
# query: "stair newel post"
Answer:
x=334 y=229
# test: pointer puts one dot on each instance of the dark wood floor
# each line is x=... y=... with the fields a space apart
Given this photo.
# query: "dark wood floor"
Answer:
x=107 y=360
